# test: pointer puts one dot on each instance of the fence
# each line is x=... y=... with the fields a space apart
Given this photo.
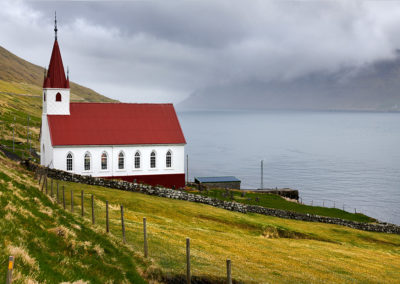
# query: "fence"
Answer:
x=47 y=188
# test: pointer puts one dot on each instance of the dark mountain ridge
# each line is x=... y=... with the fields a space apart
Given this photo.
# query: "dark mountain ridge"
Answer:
x=374 y=87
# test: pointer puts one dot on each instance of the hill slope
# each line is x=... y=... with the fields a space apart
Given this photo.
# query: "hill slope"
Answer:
x=20 y=96
x=17 y=70
x=51 y=245
x=263 y=249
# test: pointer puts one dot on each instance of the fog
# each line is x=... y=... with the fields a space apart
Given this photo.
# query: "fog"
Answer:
x=166 y=51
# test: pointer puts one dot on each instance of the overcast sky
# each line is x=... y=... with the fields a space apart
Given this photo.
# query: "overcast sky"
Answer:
x=162 y=51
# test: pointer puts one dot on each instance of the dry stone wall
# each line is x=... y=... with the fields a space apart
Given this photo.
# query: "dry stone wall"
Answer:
x=227 y=205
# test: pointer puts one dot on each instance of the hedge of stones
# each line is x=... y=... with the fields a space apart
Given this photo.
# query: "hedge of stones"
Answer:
x=227 y=205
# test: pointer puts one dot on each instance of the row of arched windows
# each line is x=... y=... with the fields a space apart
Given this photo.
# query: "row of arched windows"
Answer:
x=87 y=160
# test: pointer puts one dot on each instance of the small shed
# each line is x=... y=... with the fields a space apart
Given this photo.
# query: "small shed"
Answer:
x=223 y=182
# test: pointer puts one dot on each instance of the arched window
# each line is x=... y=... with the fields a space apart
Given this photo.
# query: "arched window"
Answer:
x=87 y=161
x=168 y=159
x=153 y=159
x=137 y=160
x=104 y=161
x=69 y=162
x=58 y=97
x=121 y=160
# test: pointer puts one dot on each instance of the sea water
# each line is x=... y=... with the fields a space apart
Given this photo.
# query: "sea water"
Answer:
x=349 y=160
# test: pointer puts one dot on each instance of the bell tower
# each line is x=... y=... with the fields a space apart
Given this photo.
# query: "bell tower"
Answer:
x=56 y=91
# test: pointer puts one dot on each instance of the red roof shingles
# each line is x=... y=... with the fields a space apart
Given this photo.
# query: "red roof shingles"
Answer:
x=56 y=76
x=116 y=124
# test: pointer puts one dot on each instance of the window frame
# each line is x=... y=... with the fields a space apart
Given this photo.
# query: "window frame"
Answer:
x=87 y=154
x=153 y=155
x=58 y=97
x=105 y=156
x=137 y=160
x=121 y=154
x=69 y=158
x=168 y=155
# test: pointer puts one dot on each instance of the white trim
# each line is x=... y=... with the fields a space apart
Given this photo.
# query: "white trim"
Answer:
x=66 y=162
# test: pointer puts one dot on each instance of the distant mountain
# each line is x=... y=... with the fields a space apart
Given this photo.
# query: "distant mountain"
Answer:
x=17 y=71
x=375 y=87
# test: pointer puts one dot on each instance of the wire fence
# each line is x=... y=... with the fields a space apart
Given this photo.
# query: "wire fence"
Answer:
x=107 y=214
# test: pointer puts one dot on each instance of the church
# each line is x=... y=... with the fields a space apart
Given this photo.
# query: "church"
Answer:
x=130 y=141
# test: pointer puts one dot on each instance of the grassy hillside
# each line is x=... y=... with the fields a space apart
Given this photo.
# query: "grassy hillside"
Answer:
x=263 y=249
x=20 y=96
x=277 y=202
x=25 y=76
x=51 y=245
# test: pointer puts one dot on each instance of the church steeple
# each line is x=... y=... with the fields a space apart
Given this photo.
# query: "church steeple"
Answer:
x=56 y=92
x=56 y=74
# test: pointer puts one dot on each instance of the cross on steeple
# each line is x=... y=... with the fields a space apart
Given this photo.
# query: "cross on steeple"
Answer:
x=55 y=24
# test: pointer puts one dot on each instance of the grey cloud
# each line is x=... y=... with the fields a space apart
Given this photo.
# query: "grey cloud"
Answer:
x=163 y=51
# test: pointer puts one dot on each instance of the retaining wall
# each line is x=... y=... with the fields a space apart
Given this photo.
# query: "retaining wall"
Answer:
x=233 y=206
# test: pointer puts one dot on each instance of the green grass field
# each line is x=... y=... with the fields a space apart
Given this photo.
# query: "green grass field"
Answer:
x=275 y=201
x=263 y=249
x=51 y=245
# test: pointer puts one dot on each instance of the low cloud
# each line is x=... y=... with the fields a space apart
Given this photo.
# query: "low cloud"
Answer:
x=163 y=51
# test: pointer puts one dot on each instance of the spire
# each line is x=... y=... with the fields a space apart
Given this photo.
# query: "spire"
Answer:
x=55 y=24
x=67 y=81
x=56 y=75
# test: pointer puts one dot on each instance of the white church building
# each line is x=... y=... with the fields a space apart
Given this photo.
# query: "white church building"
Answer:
x=142 y=142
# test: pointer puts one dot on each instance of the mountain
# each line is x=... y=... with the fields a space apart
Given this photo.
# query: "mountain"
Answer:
x=17 y=71
x=21 y=96
x=373 y=87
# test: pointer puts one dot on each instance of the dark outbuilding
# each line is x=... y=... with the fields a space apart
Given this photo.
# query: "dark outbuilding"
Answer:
x=222 y=182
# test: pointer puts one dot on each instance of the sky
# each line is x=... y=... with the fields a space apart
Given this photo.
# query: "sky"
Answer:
x=164 y=51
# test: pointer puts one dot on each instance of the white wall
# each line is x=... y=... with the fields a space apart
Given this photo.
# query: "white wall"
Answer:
x=78 y=153
x=46 y=157
x=51 y=106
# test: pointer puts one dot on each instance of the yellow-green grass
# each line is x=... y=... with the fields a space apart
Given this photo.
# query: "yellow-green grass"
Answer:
x=51 y=245
x=20 y=96
x=263 y=249
x=278 y=202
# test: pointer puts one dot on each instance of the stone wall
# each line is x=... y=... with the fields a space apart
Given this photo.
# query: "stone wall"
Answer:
x=233 y=206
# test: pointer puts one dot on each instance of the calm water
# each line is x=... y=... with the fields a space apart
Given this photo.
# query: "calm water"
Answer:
x=335 y=158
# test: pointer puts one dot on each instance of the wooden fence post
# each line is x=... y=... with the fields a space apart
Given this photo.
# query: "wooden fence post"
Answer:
x=72 y=201
x=64 y=197
x=107 y=224
x=93 y=210
x=228 y=271
x=145 y=237
x=51 y=187
x=40 y=177
x=188 y=277
x=46 y=184
x=82 y=205
x=58 y=194
x=123 y=224
x=10 y=269
x=44 y=178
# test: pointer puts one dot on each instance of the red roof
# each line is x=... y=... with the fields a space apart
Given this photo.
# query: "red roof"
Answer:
x=116 y=124
x=56 y=75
